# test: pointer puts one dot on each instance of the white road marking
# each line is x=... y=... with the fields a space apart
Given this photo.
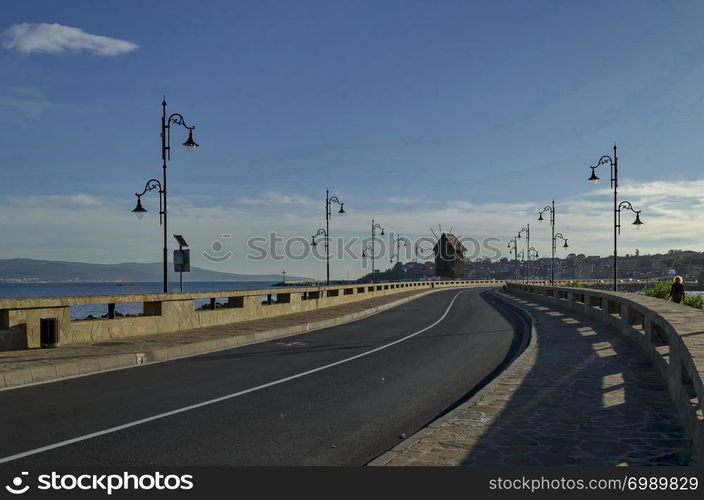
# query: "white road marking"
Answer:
x=292 y=344
x=222 y=398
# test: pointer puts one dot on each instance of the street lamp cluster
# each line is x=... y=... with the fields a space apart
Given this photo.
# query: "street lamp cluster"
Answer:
x=369 y=249
x=612 y=161
x=160 y=187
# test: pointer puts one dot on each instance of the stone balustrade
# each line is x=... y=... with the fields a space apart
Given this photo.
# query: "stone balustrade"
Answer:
x=671 y=335
x=168 y=312
x=590 y=281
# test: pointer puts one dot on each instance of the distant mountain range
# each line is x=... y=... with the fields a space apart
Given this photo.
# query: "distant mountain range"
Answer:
x=34 y=270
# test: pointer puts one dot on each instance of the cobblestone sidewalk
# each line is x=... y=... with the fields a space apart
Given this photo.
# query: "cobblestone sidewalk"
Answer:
x=580 y=395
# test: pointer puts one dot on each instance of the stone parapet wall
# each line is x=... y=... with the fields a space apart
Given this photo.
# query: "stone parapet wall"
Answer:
x=671 y=335
x=169 y=312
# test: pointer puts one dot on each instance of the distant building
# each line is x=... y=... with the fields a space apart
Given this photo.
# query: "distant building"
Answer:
x=449 y=257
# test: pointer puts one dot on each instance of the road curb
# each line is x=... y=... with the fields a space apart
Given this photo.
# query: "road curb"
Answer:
x=15 y=379
x=527 y=346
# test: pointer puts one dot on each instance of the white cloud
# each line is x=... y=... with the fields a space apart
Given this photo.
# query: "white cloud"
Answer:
x=408 y=200
x=28 y=38
x=278 y=198
x=93 y=229
x=77 y=201
x=29 y=108
x=28 y=103
x=488 y=207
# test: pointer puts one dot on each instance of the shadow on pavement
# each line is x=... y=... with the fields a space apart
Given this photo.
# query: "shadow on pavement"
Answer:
x=588 y=398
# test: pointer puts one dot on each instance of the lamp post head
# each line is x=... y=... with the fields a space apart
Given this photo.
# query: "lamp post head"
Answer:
x=342 y=208
x=540 y=217
x=382 y=231
x=593 y=178
x=190 y=143
x=364 y=255
x=637 y=222
x=565 y=245
x=139 y=210
x=313 y=243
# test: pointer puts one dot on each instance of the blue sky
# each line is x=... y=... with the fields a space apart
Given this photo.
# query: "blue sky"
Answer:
x=466 y=114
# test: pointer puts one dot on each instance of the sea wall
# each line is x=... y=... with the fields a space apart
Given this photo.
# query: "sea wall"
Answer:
x=168 y=312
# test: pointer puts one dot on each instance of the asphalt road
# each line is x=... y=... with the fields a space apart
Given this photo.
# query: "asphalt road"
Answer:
x=268 y=409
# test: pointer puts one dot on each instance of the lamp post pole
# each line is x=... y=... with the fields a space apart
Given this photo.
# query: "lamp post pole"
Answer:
x=551 y=209
x=370 y=248
x=527 y=231
x=422 y=271
x=165 y=153
x=176 y=119
x=532 y=252
x=415 y=261
x=554 y=243
x=399 y=240
x=613 y=163
x=514 y=243
x=324 y=233
x=521 y=254
x=329 y=200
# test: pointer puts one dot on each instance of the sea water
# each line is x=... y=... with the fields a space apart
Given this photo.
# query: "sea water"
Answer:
x=17 y=290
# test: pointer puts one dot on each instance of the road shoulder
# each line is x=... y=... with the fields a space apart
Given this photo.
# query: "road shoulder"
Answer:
x=30 y=367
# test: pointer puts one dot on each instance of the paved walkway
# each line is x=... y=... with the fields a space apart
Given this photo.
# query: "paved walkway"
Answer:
x=37 y=365
x=580 y=395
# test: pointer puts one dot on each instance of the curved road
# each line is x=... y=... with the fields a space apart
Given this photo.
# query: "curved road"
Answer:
x=338 y=396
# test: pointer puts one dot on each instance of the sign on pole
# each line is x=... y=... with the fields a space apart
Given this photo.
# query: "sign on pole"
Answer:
x=182 y=261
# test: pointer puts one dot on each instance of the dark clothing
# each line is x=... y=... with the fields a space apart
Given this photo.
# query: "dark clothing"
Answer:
x=677 y=292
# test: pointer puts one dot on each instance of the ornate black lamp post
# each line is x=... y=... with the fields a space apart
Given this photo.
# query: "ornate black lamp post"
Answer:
x=551 y=209
x=397 y=255
x=613 y=163
x=526 y=230
x=139 y=211
x=522 y=255
x=513 y=243
x=369 y=249
x=554 y=242
x=420 y=251
x=532 y=254
x=329 y=200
